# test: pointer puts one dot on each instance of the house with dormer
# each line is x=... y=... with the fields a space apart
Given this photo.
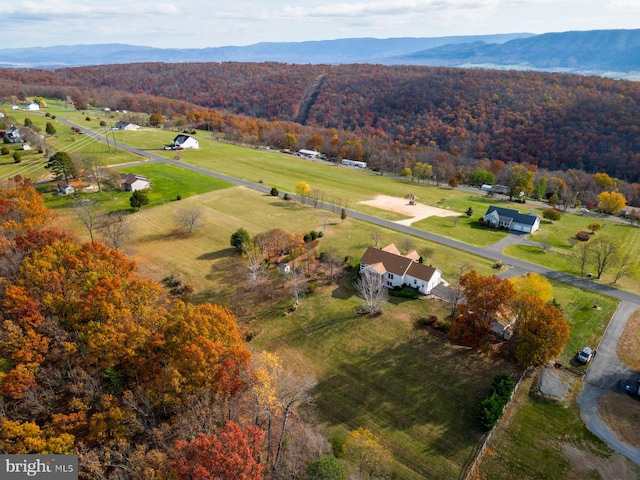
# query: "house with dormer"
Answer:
x=512 y=220
x=398 y=270
x=185 y=141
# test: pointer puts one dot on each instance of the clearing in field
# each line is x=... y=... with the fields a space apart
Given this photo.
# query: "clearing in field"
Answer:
x=417 y=211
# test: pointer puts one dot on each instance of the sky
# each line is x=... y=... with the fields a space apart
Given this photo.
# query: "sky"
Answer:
x=215 y=23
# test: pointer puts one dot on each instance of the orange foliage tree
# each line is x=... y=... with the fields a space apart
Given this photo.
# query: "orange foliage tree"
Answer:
x=541 y=331
x=487 y=298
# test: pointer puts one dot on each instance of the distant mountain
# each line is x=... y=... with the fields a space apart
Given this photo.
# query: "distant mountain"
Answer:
x=613 y=53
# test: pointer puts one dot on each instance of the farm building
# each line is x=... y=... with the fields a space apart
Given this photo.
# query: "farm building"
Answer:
x=309 y=153
x=33 y=106
x=511 y=219
x=185 y=141
x=354 y=163
x=398 y=270
x=132 y=182
x=122 y=125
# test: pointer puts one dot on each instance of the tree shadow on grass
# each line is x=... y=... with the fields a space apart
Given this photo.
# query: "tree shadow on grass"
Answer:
x=218 y=254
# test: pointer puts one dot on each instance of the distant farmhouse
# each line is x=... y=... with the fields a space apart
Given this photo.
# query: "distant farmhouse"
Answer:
x=398 y=270
x=14 y=134
x=32 y=106
x=132 y=182
x=511 y=219
x=65 y=189
x=122 y=125
x=185 y=141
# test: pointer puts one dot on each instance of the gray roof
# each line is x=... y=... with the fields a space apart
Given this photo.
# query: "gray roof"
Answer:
x=508 y=213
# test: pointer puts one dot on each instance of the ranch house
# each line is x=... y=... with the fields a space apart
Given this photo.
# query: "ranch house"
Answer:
x=398 y=270
x=132 y=182
x=512 y=220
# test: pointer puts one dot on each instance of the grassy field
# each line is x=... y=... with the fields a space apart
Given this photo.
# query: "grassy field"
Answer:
x=415 y=390
x=541 y=439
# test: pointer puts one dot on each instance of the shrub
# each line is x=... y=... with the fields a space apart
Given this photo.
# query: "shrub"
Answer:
x=47 y=114
x=274 y=192
x=287 y=197
x=491 y=407
x=4 y=151
x=88 y=119
x=16 y=157
x=306 y=238
x=53 y=117
x=103 y=123
x=582 y=236
x=404 y=291
x=313 y=234
x=178 y=197
x=320 y=234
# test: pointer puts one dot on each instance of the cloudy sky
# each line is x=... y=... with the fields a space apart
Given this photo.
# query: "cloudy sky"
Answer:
x=213 y=23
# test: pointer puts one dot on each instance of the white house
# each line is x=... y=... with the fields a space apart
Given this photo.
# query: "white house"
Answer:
x=185 y=141
x=122 y=125
x=14 y=134
x=398 y=270
x=65 y=189
x=26 y=146
x=132 y=182
x=33 y=106
x=511 y=219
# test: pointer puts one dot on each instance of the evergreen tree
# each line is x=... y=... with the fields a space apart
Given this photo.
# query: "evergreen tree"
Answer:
x=50 y=129
x=61 y=164
x=139 y=199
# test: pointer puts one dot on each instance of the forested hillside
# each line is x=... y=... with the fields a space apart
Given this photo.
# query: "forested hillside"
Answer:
x=551 y=121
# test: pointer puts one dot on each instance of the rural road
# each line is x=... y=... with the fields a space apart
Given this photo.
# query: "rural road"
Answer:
x=606 y=372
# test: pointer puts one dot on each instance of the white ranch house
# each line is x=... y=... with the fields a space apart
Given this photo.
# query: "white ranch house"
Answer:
x=398 y=270
x=122 y=125
x=511 y=219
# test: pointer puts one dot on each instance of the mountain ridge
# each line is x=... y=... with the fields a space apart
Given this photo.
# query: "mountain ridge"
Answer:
x=613 y=53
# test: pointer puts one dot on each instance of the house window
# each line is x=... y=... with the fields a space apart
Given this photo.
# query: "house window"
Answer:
x=389 y=284
x=415 y=281
x=390 y=276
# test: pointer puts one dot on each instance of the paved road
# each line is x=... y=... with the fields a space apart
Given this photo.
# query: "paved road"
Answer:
x=606 y=371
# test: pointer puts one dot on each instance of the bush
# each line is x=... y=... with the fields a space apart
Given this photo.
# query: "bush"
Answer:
x=313 y=234
x=88 y=119
x=274 y=192
x=103 y=123
x=287 y=197
x=4 y=151
x=583 y=236
x=320 y=234
x=16 y=157
x=306 y=238
x=178 y=197
x=47 y=114
x=491 y=407
x=405 y=291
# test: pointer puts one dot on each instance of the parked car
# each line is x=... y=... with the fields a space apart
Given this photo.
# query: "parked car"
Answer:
x=585 y=355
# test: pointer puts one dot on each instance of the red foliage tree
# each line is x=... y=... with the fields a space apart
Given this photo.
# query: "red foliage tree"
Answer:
x=233 y=454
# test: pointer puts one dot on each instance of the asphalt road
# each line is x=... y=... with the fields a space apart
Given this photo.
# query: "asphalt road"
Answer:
x=605 y=373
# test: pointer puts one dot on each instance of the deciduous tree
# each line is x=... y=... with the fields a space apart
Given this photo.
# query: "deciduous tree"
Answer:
x=611 y=202
x=369 y=458
x=541 y=331
x=190 y=217
x=303 y=190
x=371 y=288
x=233 y=454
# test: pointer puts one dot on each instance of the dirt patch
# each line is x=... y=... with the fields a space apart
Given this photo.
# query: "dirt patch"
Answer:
x=417 y=211
x=622 y=414
x=555 y=383
x=628 y=350
x=614 y=467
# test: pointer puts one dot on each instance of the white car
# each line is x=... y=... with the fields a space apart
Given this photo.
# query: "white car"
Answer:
x=585 y=355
